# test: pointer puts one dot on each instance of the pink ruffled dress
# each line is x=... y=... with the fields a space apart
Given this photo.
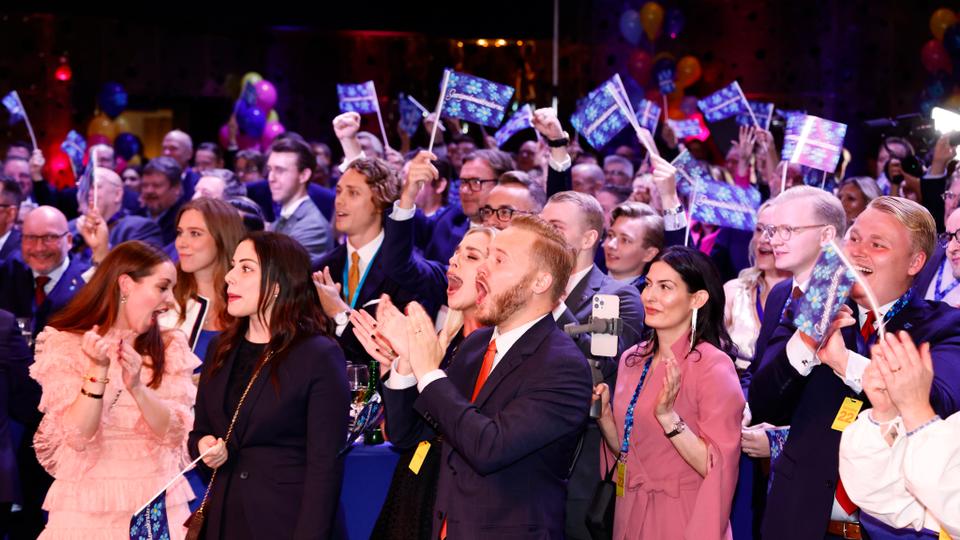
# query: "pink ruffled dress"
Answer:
x=100 y=482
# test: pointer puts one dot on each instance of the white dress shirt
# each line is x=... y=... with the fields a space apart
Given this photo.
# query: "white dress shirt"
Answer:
x=54 y=275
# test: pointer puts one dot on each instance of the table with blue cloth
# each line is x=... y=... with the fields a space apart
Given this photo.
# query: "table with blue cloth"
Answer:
x=366 y=479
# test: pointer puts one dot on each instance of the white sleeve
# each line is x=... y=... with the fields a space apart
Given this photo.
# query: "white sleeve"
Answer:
x=932 y=471
x=872 y=474
x=674 y=222
x=346 y=162
x=800 y=356
x=429 y=377
x=402 y=214
x=397 y=381
x=856 y=364
x=560 y=166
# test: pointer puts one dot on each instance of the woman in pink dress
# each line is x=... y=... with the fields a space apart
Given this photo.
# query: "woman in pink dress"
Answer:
x=679 y=402
x=117 y=400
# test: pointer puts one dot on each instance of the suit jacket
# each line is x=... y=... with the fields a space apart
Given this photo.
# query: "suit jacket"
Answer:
x=731 y=252
x=505 y=458
x=259 y=192
x=805 y=476
x=308 y=227
x=11 y=248
x=19 y=399
x=426 y=280
x=772 y=311
x=377 y=283
x=283 y=452
x=17 y=286
x=447 y=233
x=929 y=273
x=167 y=222
x=122 y=227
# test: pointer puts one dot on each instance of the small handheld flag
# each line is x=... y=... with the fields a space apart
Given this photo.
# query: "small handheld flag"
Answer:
x=14 y=106
x=762 y=111
x=828 y=289
x=474 y=99
x=410 y=115
x=521 y=120
x=362 y=99
x=814 y=142
x=724 y=103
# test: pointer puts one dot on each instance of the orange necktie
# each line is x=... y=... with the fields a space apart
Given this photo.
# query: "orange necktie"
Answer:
x=353 y=276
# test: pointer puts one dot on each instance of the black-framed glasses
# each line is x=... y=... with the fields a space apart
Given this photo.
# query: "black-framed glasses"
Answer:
x=785 y=232
x=948 y=196
x=8 y=205
x=504 y=213
x=476 y=184
x=43 y=238
x=946 y=237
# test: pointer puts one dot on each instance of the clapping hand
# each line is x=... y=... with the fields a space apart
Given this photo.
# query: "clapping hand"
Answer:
x=668 y=394
x=907 y=375
x=426 y=354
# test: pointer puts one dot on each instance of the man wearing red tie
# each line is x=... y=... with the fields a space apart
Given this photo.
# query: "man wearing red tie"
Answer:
x=513 y=402
x=820 y=391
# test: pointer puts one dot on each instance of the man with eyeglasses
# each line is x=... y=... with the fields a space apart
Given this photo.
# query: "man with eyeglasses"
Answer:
x=805 y=384
x=939 y=189
x=10 y=198
x=515 y=194
x=940 y=279
x=618 y=170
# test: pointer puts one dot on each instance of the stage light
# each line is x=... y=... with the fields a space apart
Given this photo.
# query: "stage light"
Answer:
x=500 y=42
x=63 y=72
x=483 y=43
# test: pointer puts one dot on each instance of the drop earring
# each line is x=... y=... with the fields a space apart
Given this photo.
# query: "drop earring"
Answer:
x=123 y=299
x=693 y=328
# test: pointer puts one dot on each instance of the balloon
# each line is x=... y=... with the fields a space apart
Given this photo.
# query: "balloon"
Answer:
x=272 y=116
x=941 y=19
x=127 y=145
x=951 y=42
x=639 y=66
x=934 y=57
x=688 y=71
x=630 y=27
x=245 y=141
x=266 y=95
x=112 y=99
x=937 y=87
x=270 y=133
x=251 y=121
x=102 y=125
x=121 y=165
x=122 y=124
x=224 y=136
x=651 y=18
x=675 y=22
x=251 y=77
x=97 y=138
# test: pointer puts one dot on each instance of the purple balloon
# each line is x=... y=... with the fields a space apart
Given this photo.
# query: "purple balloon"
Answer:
x=224 y=136
x=266 y=95
x=270 y=132
x=251 y=121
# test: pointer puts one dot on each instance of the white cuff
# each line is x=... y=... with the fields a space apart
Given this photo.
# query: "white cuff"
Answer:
x=856 y=364
x=402 y=214
x=347 y=161
x=397 y=381
x=340 y=329
x=800 y=356
x=429 y=377
x=674 y=222
x=560 y=166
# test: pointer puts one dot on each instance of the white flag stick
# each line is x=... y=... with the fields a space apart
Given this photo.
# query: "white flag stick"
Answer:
x=424 y=110
x=631 y=117
x=26 y=119
x=871 y=298
x=443 y=95
x=175 y=478
x=383 y=132
x=93 y=177
x=783 y=175
x=747 y=103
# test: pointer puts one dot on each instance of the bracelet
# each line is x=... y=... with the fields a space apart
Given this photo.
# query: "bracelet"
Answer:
x=101 y=380
x=678 y=427
x=935 y=418
x=91 y=394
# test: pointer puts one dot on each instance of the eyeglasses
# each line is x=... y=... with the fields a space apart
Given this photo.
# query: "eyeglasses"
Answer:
x=476 y=184
x=43 y=238
x=946 y=237
x=504 y=213
x=948 y=196
x=785 y=232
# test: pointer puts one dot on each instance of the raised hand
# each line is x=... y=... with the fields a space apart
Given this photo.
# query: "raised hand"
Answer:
x=665 y=178
x=419 y=172
x=329 y=293
x=545 y=121
x=93 y=229
x=346 y=126
x=96 y=347
x=663 y=410
x=426 y=354
x=908 y=375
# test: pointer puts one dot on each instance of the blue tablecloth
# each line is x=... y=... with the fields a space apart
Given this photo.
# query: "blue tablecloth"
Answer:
x=366 y=479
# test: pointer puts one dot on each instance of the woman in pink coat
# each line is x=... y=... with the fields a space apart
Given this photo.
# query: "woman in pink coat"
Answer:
x=674 y=424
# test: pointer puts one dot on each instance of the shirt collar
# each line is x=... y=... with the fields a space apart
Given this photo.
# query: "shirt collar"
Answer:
x=54 y=274
x=576 y=278
x=803 y=286
x=862 y=315
x=288 y=209
x=3 y=239
x=366 y=252
x=506 y=340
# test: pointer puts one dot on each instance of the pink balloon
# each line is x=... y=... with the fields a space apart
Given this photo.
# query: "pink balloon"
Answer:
x=224 y=136
x=245 y=141
x=270 y=132
x=98 y=138
x=266 y=95
x=934 y=57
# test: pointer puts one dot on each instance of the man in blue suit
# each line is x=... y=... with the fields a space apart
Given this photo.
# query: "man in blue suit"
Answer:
x=512 y=404
x=889 y=243
x=10 y=198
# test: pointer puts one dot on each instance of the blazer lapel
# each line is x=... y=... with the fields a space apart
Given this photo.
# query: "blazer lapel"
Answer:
x=217 y=391
x=524 y=347
x=373 y=285
x=580 y=296
x=250 y=403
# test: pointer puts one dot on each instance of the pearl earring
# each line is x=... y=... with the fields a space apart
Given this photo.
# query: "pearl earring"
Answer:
x=123 y=299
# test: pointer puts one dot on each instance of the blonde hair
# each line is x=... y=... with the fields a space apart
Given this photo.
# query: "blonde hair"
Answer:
x=914 y=217
x=550 y=252
x=588 y=205
x=826 y=207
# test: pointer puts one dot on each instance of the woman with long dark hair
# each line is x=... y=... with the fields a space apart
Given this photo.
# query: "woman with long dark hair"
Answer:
x=273 y=402
x=117 y=398
x=674 y=426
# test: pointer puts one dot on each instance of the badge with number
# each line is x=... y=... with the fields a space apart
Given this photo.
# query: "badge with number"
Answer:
x=847 y=414
x=418 y=456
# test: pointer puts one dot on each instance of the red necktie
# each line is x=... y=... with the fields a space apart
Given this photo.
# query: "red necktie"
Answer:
x=848 y=506
x=39 y=295
x=797 y=293
x=867 y=329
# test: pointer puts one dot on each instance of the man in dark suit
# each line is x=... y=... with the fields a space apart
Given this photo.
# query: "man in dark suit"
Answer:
x=352 y=275
x=940 y=278
x=162 y=195
x=513 y=402
x=10 y=198
x=889 y=243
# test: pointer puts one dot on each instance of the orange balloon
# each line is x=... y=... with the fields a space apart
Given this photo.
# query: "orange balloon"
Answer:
x=941 y=19
x=688 y=71
x=121 y=124
x=676 y=113
x=102 y=125
x=651 y=19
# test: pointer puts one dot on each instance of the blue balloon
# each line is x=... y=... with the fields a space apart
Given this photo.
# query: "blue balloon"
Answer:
x=251 y=120
x=630 y=26
x=112 y=99
x=127 y=145
x=675 y=22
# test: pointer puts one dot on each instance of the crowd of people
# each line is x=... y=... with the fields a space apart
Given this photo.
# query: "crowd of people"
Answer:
x=207 y=304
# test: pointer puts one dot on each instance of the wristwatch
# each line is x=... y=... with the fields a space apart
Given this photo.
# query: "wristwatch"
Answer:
x=678 y=427
x=342 y=318
x=676 y=211
x=558 y=143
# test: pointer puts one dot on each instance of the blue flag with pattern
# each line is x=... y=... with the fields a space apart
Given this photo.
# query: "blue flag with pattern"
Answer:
x=151 y=523
x=521 y=120
x=724 y=103
x=74 y=146
x=598 y=117
x=359 y=98
x=691 y=172
x=665 y=80
x=13 y=104
x=648 y=114
x=475 y=100
x=829 y=288
x=719 y=203
x=410 y=115
x=762 y=111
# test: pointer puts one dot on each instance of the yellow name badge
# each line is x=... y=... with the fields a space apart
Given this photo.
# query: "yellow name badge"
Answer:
x=418 y=456
x=621 y=477
x=847 y=414
x=944 y=535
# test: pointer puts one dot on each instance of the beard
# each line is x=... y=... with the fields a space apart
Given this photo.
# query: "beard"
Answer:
x=501 y=307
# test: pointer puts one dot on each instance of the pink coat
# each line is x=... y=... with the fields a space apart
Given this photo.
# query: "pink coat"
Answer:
x=664 y=496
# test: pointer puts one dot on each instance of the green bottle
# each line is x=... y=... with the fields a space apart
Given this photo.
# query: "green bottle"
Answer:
x=375 y=435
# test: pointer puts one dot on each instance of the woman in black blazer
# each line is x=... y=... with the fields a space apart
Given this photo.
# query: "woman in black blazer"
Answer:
x=278 y=475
